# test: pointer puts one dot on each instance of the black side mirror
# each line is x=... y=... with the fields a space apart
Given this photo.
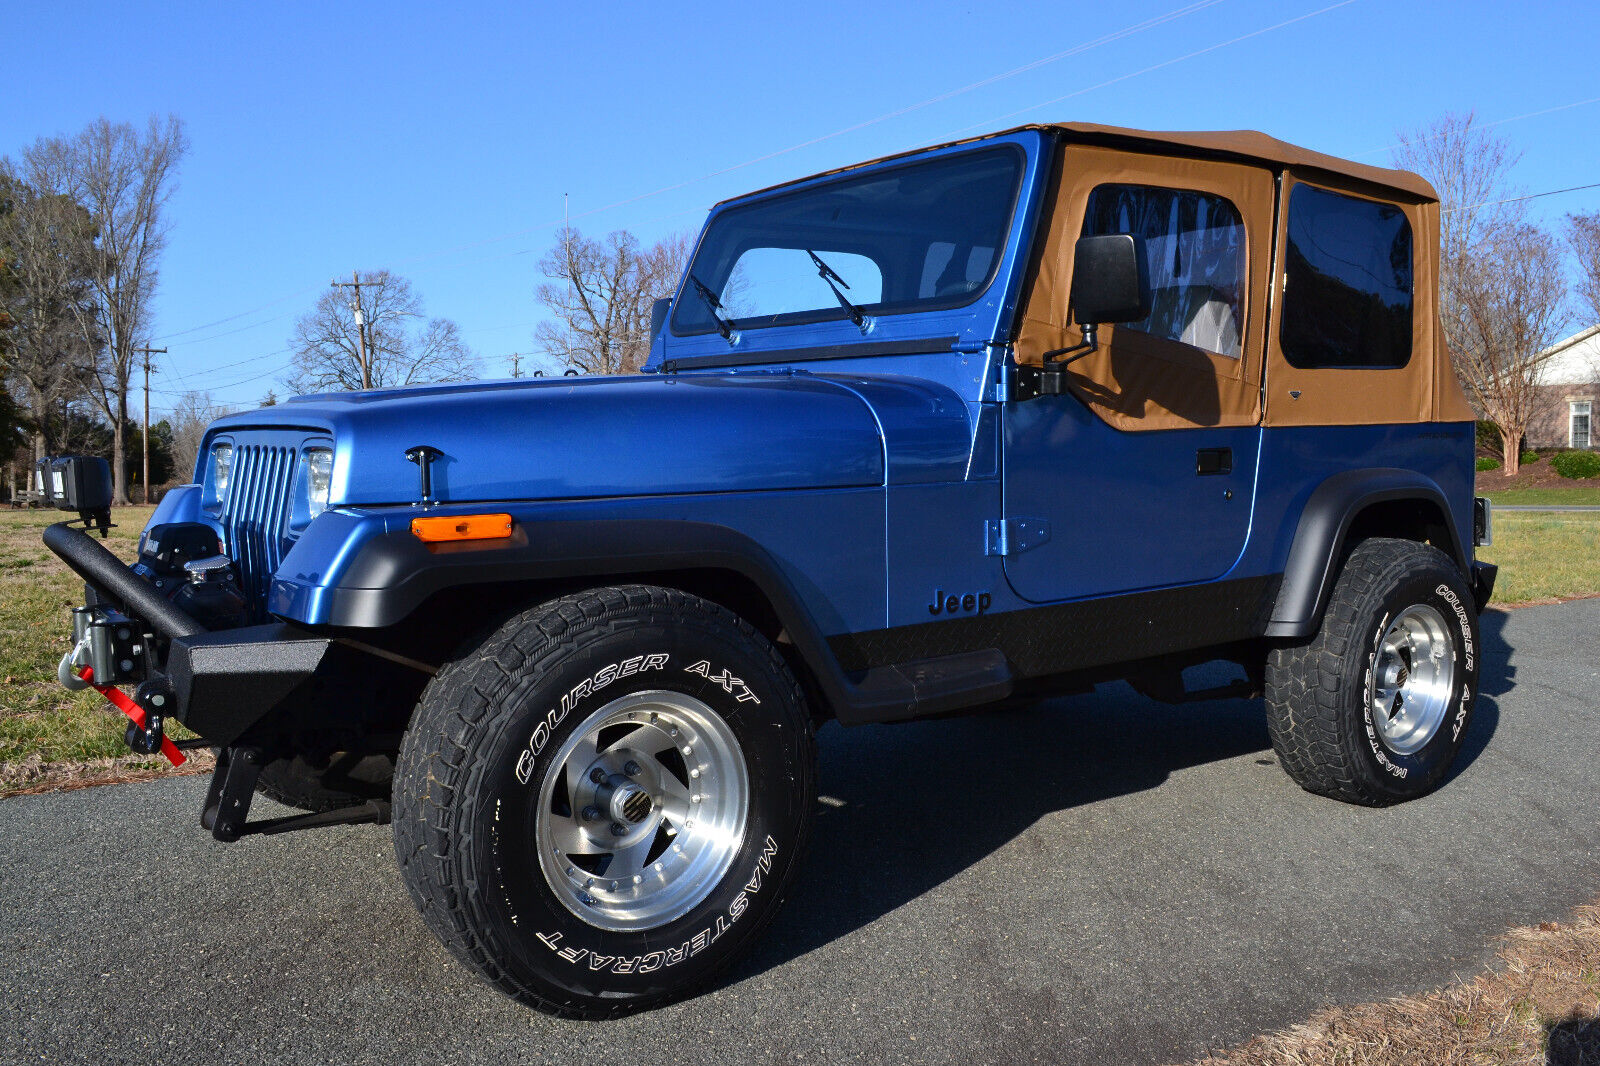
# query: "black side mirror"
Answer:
x=1110 y=283
x=658 y=315
x=1110 y=280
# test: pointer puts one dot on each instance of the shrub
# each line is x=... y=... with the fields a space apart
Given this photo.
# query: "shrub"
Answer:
x=1530 y=457
x=1576 y=464
x=1486 y=463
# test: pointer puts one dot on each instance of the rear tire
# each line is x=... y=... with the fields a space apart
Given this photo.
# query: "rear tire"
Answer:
x=1374 y=708
x=601 y=806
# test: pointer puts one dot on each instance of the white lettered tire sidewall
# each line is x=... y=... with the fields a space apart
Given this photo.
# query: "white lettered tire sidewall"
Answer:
x=535 y=946
x=1400 y=774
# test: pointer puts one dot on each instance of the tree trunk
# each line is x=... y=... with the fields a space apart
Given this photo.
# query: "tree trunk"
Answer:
x=1510 y=449
x=119 y=473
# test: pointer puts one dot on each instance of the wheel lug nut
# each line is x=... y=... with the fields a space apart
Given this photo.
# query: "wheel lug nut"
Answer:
x=618 y=829
x=597 y=775
x=632 y=769
x=591 y=814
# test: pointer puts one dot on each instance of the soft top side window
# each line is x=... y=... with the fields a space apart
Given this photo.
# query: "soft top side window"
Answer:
x=1195 y=243
x=1347 y=282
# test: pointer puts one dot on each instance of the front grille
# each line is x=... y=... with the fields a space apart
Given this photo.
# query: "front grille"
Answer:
x=256 y=513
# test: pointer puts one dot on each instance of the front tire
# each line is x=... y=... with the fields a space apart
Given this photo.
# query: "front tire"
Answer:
x=1374 y=708
x=601 y=806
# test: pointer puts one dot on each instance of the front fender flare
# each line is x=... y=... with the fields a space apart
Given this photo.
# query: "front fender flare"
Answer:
x=386 y=575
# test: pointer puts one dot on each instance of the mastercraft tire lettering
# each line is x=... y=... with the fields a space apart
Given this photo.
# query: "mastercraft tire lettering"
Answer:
x=603 y=804
x=1375 y=707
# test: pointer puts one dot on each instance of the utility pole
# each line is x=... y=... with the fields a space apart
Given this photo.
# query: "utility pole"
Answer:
x=516 y=364
x=355 y=283
x=145 y=440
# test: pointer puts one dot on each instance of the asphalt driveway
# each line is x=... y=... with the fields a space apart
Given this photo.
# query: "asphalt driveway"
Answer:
x=1103 y=879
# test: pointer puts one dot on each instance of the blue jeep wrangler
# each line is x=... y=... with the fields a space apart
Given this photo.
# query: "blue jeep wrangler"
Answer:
x=966 y=426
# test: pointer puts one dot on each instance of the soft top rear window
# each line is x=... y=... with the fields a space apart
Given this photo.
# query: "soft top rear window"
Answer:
x=1347 y=283
x=918 y=237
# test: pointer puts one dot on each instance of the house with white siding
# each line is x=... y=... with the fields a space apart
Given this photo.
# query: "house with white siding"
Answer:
x=1568 y=393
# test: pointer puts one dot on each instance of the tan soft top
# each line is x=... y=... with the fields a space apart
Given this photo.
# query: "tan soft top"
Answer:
x=1226 y=144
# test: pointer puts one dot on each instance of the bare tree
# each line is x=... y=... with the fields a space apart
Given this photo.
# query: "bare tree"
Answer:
x=1502 y=291
x=48 y=246
x=1512 y=298
x=600 y=293
x=403 y=347
x=1583 y=237
x=191 y=415
x=124 y=180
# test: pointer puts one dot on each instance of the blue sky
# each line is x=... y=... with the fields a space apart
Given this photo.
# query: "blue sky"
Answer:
x=438 y=141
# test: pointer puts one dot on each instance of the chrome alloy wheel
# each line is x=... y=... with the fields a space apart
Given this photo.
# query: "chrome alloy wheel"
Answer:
x=1413 y=679
x=642 y=811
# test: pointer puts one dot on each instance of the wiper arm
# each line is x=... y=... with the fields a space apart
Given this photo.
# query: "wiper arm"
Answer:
x=829 y=275
x=724 y=327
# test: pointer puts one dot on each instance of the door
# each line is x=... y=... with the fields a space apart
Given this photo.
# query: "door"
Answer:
x=1142 y=475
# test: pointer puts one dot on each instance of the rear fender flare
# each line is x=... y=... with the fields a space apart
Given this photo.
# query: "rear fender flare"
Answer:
x=1319 y=541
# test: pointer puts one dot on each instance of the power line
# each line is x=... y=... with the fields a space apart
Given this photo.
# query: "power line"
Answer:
x=1518 y=199
x=1109 y=38
x=241 y=314
x=989 y=123
x=1484 y=125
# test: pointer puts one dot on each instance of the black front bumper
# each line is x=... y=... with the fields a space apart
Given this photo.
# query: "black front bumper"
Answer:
x=228 y=682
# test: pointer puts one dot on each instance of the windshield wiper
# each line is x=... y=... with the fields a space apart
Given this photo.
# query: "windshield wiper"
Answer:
x=828 y=274
x=724 y=327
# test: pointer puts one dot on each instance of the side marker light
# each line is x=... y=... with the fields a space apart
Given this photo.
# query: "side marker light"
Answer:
x=435 y=529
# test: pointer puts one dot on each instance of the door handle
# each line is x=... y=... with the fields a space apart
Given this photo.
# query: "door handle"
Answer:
x=1213 y=461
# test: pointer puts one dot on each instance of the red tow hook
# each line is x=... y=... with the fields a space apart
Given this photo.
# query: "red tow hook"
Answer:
x=119 y=699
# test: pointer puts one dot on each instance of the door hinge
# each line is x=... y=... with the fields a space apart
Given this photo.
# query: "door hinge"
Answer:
x=1012 y=536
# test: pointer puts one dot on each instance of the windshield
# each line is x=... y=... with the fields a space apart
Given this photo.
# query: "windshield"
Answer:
x=918 y=237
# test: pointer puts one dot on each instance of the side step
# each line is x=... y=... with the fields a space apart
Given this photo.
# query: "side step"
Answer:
x=233 y=786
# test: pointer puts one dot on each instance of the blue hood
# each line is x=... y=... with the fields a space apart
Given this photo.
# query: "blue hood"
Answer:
x=596 y=437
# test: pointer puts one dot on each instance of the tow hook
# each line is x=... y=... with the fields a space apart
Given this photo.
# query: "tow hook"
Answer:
x=145 y=733
x=154 y=697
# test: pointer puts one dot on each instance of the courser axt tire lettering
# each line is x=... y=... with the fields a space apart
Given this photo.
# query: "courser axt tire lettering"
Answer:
x=603 y=804
x=1374 y=708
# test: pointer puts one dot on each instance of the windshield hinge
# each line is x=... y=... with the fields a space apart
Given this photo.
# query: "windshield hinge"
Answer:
x=1013 y=536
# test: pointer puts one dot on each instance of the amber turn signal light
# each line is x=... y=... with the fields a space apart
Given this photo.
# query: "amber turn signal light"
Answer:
x=461 y=527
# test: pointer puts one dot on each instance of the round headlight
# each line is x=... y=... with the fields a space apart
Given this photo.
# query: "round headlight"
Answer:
x=319 y=480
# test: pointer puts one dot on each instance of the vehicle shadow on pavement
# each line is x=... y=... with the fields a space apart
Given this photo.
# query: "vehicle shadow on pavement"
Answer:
x=906 y=807
x=1496 y=677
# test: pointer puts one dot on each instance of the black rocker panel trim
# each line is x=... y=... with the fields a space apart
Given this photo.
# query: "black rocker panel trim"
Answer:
x=1319 y=540
x=880 y=675
x=1041 y=641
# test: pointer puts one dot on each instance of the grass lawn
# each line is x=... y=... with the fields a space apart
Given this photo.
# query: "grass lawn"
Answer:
x=1576 y=496
x=1545 y=555
x=38 y=717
